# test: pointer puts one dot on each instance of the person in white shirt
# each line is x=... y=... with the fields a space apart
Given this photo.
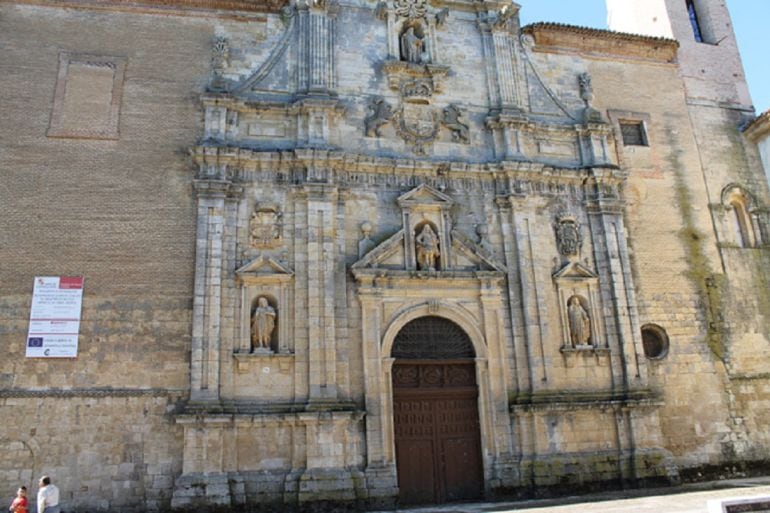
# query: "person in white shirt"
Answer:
x=47 y=497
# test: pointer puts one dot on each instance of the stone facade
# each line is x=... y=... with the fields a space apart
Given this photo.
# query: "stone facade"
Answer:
x=264 y=197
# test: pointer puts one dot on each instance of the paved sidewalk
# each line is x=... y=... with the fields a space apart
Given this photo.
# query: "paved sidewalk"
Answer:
x=684 y=499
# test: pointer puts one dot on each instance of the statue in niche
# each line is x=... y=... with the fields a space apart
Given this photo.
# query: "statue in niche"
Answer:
x=579 y=323
x=427 y=249
x=262 y=325
x=412 y=46
x=382 y=113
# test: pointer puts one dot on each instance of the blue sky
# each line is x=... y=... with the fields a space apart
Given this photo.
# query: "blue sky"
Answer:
x=750 y=19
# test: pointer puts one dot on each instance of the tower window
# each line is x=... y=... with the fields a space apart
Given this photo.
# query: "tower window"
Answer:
x=633 y=133
x=696 y=28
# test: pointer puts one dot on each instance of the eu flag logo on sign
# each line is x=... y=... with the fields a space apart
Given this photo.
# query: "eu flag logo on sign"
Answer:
x=35 y=342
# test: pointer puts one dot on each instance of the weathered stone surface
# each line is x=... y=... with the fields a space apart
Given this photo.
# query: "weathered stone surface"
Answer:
x=295 y=158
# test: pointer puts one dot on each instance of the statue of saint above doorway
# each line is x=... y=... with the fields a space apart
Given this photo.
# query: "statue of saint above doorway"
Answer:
x=427 y=249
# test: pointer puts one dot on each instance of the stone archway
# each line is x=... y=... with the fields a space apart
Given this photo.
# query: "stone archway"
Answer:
x=435 y=413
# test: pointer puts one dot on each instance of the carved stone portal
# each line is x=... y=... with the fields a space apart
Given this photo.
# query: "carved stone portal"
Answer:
x=262 y=325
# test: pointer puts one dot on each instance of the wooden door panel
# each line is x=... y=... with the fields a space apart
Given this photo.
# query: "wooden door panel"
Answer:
x=416 y=474
x=437 y=433
x=462 y=470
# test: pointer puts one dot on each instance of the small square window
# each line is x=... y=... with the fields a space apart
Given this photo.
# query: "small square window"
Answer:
x=633 y=133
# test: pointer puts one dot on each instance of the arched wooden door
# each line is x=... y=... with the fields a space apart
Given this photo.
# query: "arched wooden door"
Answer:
x=436 y=416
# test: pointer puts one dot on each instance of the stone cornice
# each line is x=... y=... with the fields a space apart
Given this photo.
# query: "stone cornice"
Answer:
x=225 y=8
x=572 y=39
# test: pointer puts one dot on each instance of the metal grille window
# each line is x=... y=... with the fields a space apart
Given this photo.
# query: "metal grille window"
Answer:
x=633 y=133
x=432 y=338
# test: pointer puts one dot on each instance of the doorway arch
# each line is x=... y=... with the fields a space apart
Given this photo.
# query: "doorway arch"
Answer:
x=436 y=425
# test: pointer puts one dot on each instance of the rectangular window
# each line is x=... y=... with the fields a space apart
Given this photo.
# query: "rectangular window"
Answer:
x=633 y=133
x=696 y=27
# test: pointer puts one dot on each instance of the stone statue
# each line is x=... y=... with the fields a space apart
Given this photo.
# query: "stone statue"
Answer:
x=262 y=325
x=579 y=323
x=381 y=114
x=366 y=244
x=427 y=249
x=411 y=46
x=451 y=120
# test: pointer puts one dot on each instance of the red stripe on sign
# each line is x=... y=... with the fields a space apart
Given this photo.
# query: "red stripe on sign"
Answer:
x=71 y=282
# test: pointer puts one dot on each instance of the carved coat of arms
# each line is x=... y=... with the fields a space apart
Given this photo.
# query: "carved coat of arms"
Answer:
x=265 y=228
x=411 y=9
x=568 y=236
x=417 y=124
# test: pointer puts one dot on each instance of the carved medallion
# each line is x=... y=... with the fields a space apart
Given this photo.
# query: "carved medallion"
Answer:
x=265 y=228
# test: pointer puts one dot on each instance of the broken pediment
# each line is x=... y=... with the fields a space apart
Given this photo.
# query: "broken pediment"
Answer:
x=263 y=270
x=574 y=271
x=391 y=255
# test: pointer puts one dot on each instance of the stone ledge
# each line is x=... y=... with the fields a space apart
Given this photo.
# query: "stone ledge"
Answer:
x=563 y=401
x=88 y=392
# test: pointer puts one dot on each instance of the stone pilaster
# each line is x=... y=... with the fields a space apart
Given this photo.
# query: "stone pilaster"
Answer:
x=206 y=334
x=321 y=293
x=316 y=70
x=621 y=316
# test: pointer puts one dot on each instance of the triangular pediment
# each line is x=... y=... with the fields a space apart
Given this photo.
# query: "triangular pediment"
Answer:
x=425 y=195
x=389 y=254
x=264 y=266
x=468 y=255
x=575 y=271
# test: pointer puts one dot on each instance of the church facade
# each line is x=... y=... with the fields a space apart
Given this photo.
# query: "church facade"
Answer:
x=365 y=253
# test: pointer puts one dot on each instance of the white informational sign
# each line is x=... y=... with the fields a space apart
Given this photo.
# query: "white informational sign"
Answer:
x=54 y=320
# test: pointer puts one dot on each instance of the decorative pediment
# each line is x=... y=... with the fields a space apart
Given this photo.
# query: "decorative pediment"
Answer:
x=468 y=253
x=466 y=256
x=388 y=254
x=264 y=269
x=574 y=271
x=425 y=195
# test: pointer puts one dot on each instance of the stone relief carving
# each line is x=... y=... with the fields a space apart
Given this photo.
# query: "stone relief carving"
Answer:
x=262 y=325
x=427 y=246
x=418 y=125
x=382 y=113
x=451 y=120
x=220 y=56
x=411 y=9
x=568 y=236
x=366 y=244
x=265 y=228
x=579 y=323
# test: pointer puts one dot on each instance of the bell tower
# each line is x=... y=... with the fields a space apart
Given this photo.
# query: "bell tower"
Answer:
x=709 y=59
